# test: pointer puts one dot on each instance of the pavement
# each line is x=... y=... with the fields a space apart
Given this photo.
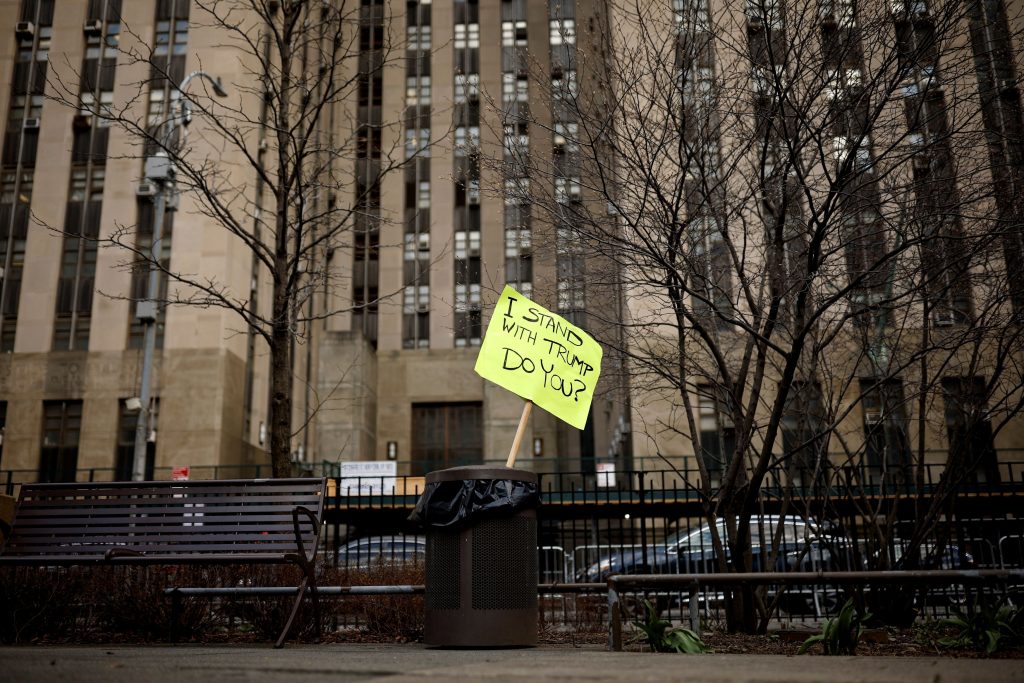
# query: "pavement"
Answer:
x=354 y=663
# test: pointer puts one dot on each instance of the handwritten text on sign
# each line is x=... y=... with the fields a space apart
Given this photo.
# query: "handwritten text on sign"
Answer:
x=540 y=356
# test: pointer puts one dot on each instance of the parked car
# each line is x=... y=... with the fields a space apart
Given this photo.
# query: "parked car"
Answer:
x=803 y=546
x=373 y=551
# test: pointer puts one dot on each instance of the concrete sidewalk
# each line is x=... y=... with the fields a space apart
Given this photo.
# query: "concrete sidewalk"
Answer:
x=352 y=663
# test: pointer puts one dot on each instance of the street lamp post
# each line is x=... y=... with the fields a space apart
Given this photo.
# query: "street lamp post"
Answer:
x=160 y=171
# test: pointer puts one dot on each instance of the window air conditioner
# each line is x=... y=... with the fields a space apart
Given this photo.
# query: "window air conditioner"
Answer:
x=872 y=417
x=93 y=28
x=423 y=307
x=25 y=29
x=146 y=190
x=31 y=124
x=944 y=319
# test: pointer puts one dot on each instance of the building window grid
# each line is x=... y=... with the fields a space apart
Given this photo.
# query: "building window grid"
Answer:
x=26 y=104
x=466 y=42
x=365 y=253
x=416 y=248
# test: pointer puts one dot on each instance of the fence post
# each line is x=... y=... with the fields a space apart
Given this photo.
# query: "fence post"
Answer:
x=694 y=608
x=614 y=620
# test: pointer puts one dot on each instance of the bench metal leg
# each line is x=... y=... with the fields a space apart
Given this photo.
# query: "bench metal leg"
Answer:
x=308 y=581
x=175 y=615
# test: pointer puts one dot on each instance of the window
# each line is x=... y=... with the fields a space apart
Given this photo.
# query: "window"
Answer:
x=417 y=37
x=513 y=33
x=562 y=31
x=764 y=13
x=417 y=245
x=103 y=111
x=516 y=142
x=564 y=87
x=969 y=429
x=467 y=36
x=125 y=462
x=416 y=299
x=467 y=244
x=446 y=435
x=886 y=443
x=517 y=241
x=841 y=81
x=417 y=90
x=571 y=294
x=567 y=189
x=804 y=440
x=62 y=426
x=467 y=88
x=417 y=142
x=517 y=191
x=843 y=147
x=514 y=88
x=423 y=194
x=467 y=140
x=717 y=432
x=565 y=137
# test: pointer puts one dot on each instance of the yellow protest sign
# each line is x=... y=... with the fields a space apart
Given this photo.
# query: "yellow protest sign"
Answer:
x=540 y=356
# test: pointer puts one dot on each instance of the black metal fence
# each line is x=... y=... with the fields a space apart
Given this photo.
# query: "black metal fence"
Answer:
x=596 y=524
x=653 y=522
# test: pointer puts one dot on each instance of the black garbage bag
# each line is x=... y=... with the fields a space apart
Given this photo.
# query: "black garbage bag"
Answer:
x=457 y=504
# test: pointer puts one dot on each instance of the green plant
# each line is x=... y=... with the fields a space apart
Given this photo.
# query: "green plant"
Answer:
x=661 y=638
x=839 y=636
x=985 y=628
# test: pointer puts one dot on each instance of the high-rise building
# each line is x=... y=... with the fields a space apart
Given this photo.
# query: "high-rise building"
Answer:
x=829 y=251
x=385 y=367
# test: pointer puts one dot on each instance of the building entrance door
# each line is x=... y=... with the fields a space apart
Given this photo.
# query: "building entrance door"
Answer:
x=446 y=435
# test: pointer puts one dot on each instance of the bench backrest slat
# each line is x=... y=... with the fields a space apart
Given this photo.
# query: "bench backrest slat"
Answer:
x=234 y=517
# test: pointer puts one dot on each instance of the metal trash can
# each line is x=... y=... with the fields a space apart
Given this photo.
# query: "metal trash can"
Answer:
x=481 y=583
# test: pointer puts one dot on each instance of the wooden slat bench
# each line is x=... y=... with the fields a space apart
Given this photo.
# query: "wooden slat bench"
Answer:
x=241 y=521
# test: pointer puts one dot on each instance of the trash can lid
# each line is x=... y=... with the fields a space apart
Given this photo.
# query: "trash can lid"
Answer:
x=470 y=472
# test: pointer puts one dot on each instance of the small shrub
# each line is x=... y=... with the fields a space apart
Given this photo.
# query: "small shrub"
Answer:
x=130 y=601
x=42 y=603
x=985 y=628
x=661 y=638
x=841 y=635
x=266 y=615
x=389 y=617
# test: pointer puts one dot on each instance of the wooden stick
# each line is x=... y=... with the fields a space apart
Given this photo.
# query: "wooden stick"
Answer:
x=519 y=434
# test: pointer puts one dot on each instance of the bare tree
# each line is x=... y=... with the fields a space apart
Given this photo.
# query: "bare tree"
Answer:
x=288 y=164
x=798 y=202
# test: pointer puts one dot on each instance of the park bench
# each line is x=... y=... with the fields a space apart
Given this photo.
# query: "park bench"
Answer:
x=216 y=522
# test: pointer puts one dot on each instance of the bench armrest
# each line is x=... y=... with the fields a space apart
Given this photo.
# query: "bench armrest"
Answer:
x=315 y=521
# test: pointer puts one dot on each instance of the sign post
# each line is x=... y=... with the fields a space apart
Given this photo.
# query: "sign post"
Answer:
x=542 y=357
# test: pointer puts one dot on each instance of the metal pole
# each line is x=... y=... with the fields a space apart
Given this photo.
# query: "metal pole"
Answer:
x=149 y=338
x=163 y=175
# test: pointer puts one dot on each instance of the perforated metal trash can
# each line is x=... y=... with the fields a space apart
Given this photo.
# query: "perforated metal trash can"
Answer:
x=481 y=583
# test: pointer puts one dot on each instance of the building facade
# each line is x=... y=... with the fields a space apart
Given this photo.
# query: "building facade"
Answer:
x=386 y=369
x=844 y=277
